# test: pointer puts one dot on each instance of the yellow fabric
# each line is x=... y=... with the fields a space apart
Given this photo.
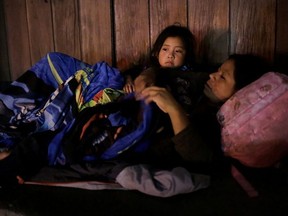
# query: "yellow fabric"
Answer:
x=54 y=71
x=105 y=96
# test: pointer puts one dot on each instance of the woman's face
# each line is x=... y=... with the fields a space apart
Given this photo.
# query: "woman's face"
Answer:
x=172 y=53
x=221 y=84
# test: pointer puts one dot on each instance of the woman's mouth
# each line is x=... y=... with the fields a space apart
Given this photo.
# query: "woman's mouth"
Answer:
x=207 y=86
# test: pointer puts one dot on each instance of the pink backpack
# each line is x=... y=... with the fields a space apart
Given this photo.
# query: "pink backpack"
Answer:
x=255 y=122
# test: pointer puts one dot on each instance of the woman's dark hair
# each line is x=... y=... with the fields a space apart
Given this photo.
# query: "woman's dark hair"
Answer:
x=184 y=34
x=155 y=75
x=248 y=68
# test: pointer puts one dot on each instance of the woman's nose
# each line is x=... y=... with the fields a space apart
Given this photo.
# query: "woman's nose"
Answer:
x=213 y=76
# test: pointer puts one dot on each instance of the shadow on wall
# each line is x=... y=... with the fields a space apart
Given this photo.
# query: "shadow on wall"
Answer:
x=123 y=64
x=281 y=63
x=213 y=49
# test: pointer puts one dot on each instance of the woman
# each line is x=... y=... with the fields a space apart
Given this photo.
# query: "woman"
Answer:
x=197 y=135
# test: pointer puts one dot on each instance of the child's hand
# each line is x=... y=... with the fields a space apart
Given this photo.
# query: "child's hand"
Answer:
x=4 y=154
x=129 y=87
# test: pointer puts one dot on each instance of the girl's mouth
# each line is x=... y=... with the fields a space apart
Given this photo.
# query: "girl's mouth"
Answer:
x=169 y=63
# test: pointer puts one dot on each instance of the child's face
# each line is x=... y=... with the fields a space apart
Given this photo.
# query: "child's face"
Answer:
x=172 y=53
x=221 y=84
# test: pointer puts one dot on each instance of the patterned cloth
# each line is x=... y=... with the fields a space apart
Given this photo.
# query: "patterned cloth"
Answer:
x=75 y=85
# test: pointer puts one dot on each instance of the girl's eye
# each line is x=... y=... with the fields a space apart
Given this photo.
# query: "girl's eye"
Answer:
x=179 y=51
x=164 y=49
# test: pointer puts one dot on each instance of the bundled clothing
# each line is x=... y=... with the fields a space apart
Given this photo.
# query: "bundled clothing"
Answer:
x=44 y=102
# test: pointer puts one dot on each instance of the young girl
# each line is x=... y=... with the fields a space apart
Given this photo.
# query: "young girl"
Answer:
x=172 y=56
x=173 y=48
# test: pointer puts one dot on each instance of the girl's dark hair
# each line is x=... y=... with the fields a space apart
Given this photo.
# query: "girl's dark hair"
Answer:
x=184 y=34
x=248 y=68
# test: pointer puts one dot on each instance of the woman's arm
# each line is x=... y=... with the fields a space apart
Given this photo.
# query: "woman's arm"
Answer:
x=166 y=102
x=187 y=140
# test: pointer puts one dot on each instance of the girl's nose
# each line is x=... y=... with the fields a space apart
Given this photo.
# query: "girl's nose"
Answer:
x=170 y=54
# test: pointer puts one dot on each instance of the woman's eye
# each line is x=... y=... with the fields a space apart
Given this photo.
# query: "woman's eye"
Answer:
x=164 y=49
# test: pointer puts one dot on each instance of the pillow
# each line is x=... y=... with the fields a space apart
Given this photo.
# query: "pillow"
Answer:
x=255 y=122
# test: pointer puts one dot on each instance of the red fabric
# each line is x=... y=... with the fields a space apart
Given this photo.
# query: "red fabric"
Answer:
x=244 y=183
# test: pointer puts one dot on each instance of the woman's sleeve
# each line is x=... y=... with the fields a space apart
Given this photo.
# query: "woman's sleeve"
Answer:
x=191 y=146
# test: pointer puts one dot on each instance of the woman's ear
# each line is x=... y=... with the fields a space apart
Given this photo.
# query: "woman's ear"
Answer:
x=168 y=88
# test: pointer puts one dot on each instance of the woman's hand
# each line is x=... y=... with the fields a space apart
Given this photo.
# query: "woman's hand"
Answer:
x=167 y=103
x=162 y=97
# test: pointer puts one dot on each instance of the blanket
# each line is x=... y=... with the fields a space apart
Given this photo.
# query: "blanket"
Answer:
x=73 y=85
